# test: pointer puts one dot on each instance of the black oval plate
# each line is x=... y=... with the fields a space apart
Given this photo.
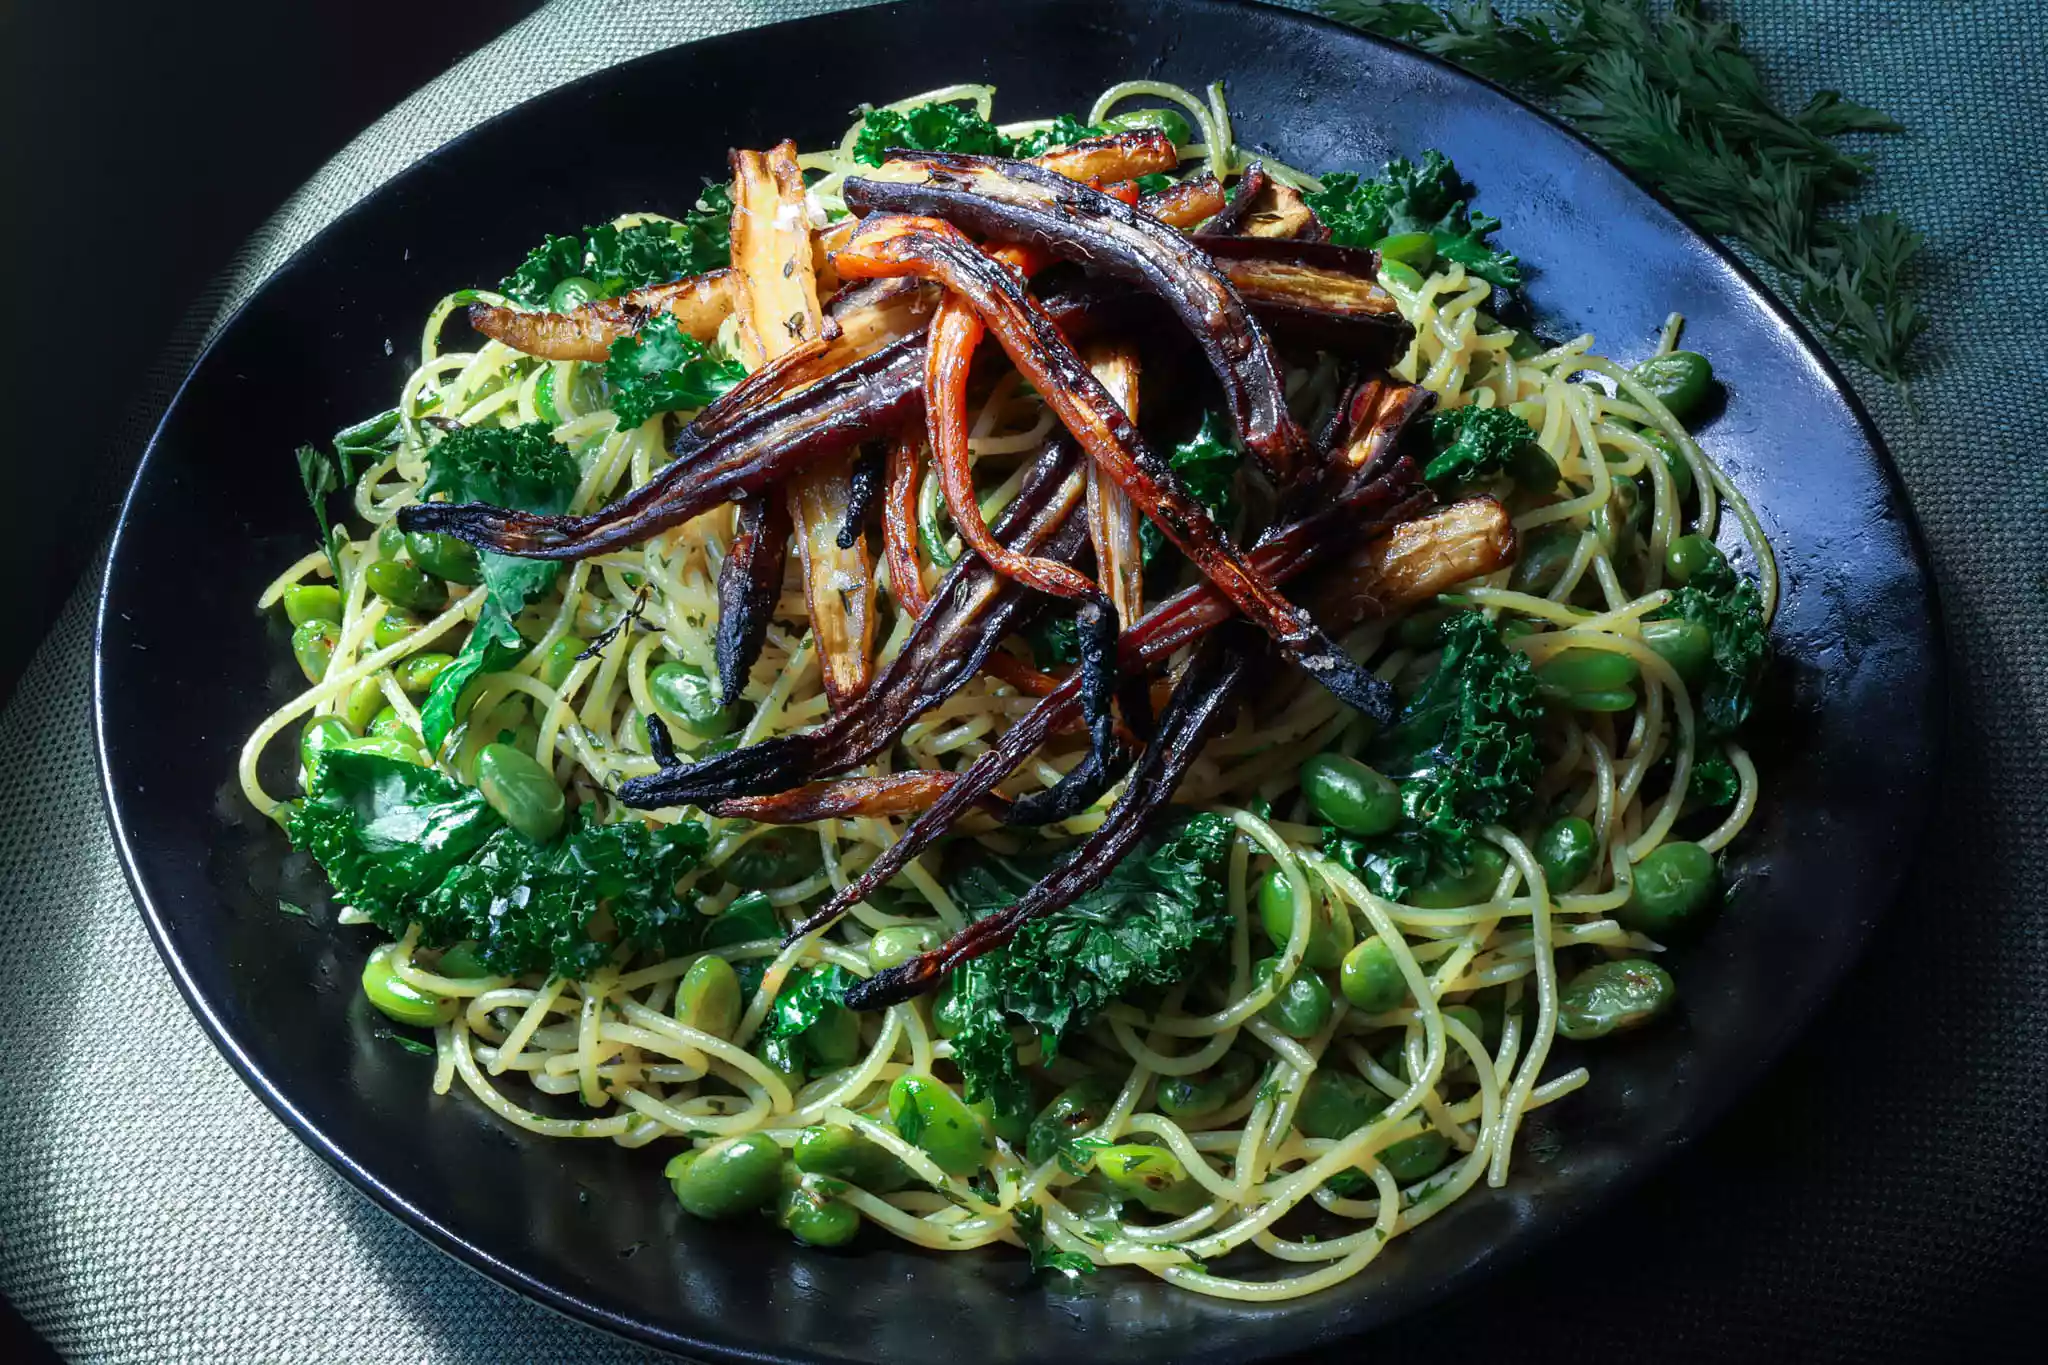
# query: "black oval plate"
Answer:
x=185 y=669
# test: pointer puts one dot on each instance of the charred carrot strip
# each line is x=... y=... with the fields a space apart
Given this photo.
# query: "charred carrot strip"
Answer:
x=899 y=523
x=748 y=582
x=888 y=245
x=699 y=304
x=1187 y=204
x=893 y=794
x=1366 y=511
x=1112 y=519
x=1205 y=696
x=1122 y=156
x=1015 y=201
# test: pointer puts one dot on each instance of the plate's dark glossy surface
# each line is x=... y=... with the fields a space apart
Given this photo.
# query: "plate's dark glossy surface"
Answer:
x=185 y=669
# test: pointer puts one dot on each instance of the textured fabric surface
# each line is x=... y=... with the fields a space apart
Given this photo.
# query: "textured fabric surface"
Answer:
x=1880 y=1197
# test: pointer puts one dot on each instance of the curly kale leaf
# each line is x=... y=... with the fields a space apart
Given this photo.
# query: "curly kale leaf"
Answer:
x=1464 y=746
x=405 y=844
x=522 y=467
x=1406 y=197
x=492 y=647
x=665 y=369
x=1731 y=610
x=954 y=126
x=1475 y=444
x=616 y=260
x=1206 y=465
x=1150 y=922
x=1063 y=131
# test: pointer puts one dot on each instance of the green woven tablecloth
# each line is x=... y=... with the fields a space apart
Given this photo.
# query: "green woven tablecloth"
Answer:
x=1881 y=1196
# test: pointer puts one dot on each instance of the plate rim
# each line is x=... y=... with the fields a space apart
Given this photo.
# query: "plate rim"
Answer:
x=476 y=1257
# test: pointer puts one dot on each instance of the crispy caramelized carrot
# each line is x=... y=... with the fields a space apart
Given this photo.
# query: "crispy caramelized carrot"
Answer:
x=970 y=612
x=1121 y=156
x=892 y=794
x=771 y=248
x=1414 y=562
x=1314 y=292
x=899 y=522
x=1015 y=201
x=1112 y=519
x=1186 y=204
x=889 y=245
x=1364 y=511
x=749 y=581
x=699 y=304
x=1205 y=697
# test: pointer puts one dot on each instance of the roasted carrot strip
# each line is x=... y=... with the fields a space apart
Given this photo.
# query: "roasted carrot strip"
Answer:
x=1205 y=696
x=1123 y=156
x=1015 y=201
x=893 y=794
x=748 y=583
x=1186 y=204
x=888 y=245
x=699 y=304
x=1112 y=519
x=899 y=522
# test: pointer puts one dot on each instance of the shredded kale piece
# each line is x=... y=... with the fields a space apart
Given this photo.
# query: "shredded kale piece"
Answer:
x=405 y=844
x=1731 y=609
x=1431 y=198
x=808 y=997
x=1154 y=919
x=956 y=126
x=1029 y=1221
x=522 y=467
x=665 y=369
x=492 y=647
x=616 y=260
x=1474 y=444
x=1206 y=464
x=1672 y=94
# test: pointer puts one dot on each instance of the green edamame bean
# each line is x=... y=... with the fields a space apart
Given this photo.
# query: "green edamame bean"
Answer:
x=686 y=696
x=1329 y=931
x=1689 y=555
x=813 y=1217
x=1011 y=1123
x=775 y=857
x=312 y=602
x=1619 y=513
x=416 y=674
x=521 y=791
x=1572 y=671
x=363 y=700
x=1301 y=1007
x=1348 y=794
x=560 y=658
x=930 y=1116
x=1205 y=1092
x=1073 y=1111
x=1687 y=646
x=318 y=735
x=1669 y=888
x=1167 y=121
x=399 y=1000
x=386 y=725
x=389 y=541
x=1401 y=274
x=1530 y=466
x=843 y=1154
x=383 y=747
x=783 y=1057
x=571 y=294
x=897 y=944
x=1471 y=1019
x=1609 y=699
x=1336 y=1104
x=1567 y=850
x=1612 y=996
x=313 y=645
x=1371 y=977
x=1544 y=558
x=1416 y=250
x=1151 y=1175
x=460 y=961
x=833 y=1040
x=392 y=627
x=1446 y=888
x=1675 y=463
x=1678 y=379
x=708 y=998
x=402 y=585
x=734 y=1177
x=445 y=557
x=1416 y=1158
